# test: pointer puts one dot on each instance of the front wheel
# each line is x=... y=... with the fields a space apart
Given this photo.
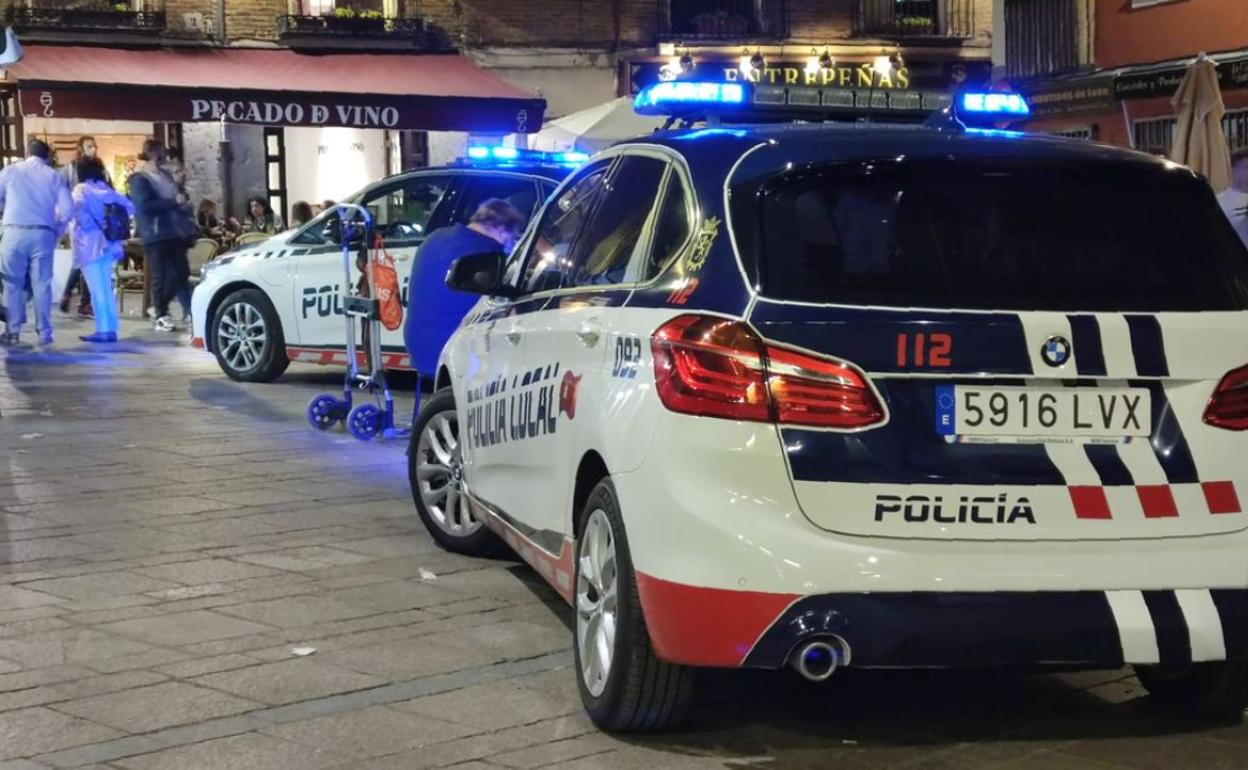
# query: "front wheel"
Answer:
x=1200 y=687
x=435 y=472
x=247 y=337
x=624 y=686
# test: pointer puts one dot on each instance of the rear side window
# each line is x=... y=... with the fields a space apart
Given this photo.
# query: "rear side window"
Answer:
x=615 y=233
x=551 y=249
x=993 y=235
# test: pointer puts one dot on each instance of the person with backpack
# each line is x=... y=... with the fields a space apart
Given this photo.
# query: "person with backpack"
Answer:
x=101 y=221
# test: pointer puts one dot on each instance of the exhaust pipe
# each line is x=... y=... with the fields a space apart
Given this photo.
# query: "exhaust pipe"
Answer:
x=818 y=659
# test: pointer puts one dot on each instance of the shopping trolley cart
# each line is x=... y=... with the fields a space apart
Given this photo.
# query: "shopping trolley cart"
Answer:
x=362 y=313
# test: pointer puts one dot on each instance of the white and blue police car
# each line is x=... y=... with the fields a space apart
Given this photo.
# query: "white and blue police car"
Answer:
x=280 y=300
x=861 y=395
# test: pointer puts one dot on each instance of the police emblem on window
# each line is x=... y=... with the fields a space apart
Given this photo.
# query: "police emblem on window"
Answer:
x=1056 y=351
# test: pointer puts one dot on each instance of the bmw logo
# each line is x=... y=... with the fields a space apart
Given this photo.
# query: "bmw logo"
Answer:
x=1056 y=351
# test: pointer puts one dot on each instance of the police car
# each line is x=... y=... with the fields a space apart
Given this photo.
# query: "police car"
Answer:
x=280 y=300
x=862 y=395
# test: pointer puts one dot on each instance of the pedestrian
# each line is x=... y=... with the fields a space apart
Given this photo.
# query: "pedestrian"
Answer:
x=37 y=207
x=94 y=251
x=87 y=148
x=165 y=223
x=261 y=219
x=300 y=214
x=435 y=312
x=1234 y=199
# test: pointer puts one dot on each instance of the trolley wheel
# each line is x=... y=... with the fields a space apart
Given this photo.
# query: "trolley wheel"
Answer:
x=364 y=421
x=325 y=410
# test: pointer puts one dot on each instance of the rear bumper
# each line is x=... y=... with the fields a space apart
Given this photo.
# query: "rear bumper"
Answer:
x=1096 y=629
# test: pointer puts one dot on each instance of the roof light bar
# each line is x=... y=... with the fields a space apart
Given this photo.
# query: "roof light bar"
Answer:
x=1007 y=105
x=677 y=96
x=484 y=155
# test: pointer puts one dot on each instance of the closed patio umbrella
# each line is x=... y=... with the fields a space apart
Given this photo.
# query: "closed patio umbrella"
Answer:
x=1199 y=141
x=592 y=129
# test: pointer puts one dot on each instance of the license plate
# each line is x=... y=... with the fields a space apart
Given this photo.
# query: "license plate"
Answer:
x=1041 y=414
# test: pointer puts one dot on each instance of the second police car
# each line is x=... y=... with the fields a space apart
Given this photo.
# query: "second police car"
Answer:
x=279 y=300
x=860 y=395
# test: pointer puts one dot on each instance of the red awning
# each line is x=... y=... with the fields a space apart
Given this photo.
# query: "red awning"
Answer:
x=271 y=87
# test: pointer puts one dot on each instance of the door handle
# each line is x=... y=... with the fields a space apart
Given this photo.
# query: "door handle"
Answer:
x=513 y=336
x=589 y=333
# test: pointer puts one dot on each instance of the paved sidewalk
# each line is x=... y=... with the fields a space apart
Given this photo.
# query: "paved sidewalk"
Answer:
x=173 y=543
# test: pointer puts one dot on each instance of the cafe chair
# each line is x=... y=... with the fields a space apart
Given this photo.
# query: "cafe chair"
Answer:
x=247 y=239
x=200 y=254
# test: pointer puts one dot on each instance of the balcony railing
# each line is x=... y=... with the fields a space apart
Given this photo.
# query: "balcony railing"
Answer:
x=948 y=19
x=349 y=22
x=724 y=19
x=1041 y=37
x=147 y=17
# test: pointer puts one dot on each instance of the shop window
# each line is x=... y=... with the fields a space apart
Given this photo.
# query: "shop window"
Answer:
x=10 y=127
x=413 y=150
x=1156 y=135
x=1235 y=126
x=275 y=170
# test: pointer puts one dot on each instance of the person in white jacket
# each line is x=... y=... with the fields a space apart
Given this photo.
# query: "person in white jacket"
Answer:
x=94 y=253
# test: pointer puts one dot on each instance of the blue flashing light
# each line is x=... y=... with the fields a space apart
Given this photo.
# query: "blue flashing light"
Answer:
x=703 y=133
x=994 y=103
x=998 y=132
x=671 y=95
x=484 y=155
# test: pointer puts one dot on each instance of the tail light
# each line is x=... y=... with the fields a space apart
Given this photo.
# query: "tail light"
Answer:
x=720 y=368
x=1228 y=406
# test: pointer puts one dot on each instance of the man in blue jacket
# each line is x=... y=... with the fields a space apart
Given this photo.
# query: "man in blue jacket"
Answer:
x=434 y=311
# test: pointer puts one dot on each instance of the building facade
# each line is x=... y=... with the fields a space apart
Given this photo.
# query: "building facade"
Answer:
x=574 y=54
x=1107 y=69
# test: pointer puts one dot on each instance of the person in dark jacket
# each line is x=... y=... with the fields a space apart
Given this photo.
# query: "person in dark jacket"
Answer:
x=163 y=217
x=434 y=312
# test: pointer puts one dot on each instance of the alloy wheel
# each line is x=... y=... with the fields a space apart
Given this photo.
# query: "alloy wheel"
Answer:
x=440 y=476
x=242 y=336
x=597 y=590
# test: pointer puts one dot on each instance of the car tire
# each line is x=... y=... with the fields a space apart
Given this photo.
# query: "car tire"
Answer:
x=1200 y=687
x=637 y=692
x=247 y=337
x=435 y=473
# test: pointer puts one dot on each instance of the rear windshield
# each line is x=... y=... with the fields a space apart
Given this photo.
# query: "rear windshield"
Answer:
x=992 y=235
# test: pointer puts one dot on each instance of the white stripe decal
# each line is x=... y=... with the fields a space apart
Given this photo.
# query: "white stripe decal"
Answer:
x=1116 y=345
x=1073 y=463
x=1141 y=460
x=1204 y=625
x=1135 y=627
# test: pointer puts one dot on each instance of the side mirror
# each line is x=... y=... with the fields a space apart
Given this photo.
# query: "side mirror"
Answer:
x=479 y=274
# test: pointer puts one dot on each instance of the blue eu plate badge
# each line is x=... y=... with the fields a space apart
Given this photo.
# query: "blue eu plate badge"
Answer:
x=946 y=410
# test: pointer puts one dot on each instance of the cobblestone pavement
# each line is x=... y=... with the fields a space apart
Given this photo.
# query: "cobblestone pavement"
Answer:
x=171 y=542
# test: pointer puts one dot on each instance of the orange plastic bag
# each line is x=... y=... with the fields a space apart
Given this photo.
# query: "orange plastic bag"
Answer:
x=385 y=280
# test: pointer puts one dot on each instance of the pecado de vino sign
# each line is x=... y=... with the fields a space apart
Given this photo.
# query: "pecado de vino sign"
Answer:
x=295 y=113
